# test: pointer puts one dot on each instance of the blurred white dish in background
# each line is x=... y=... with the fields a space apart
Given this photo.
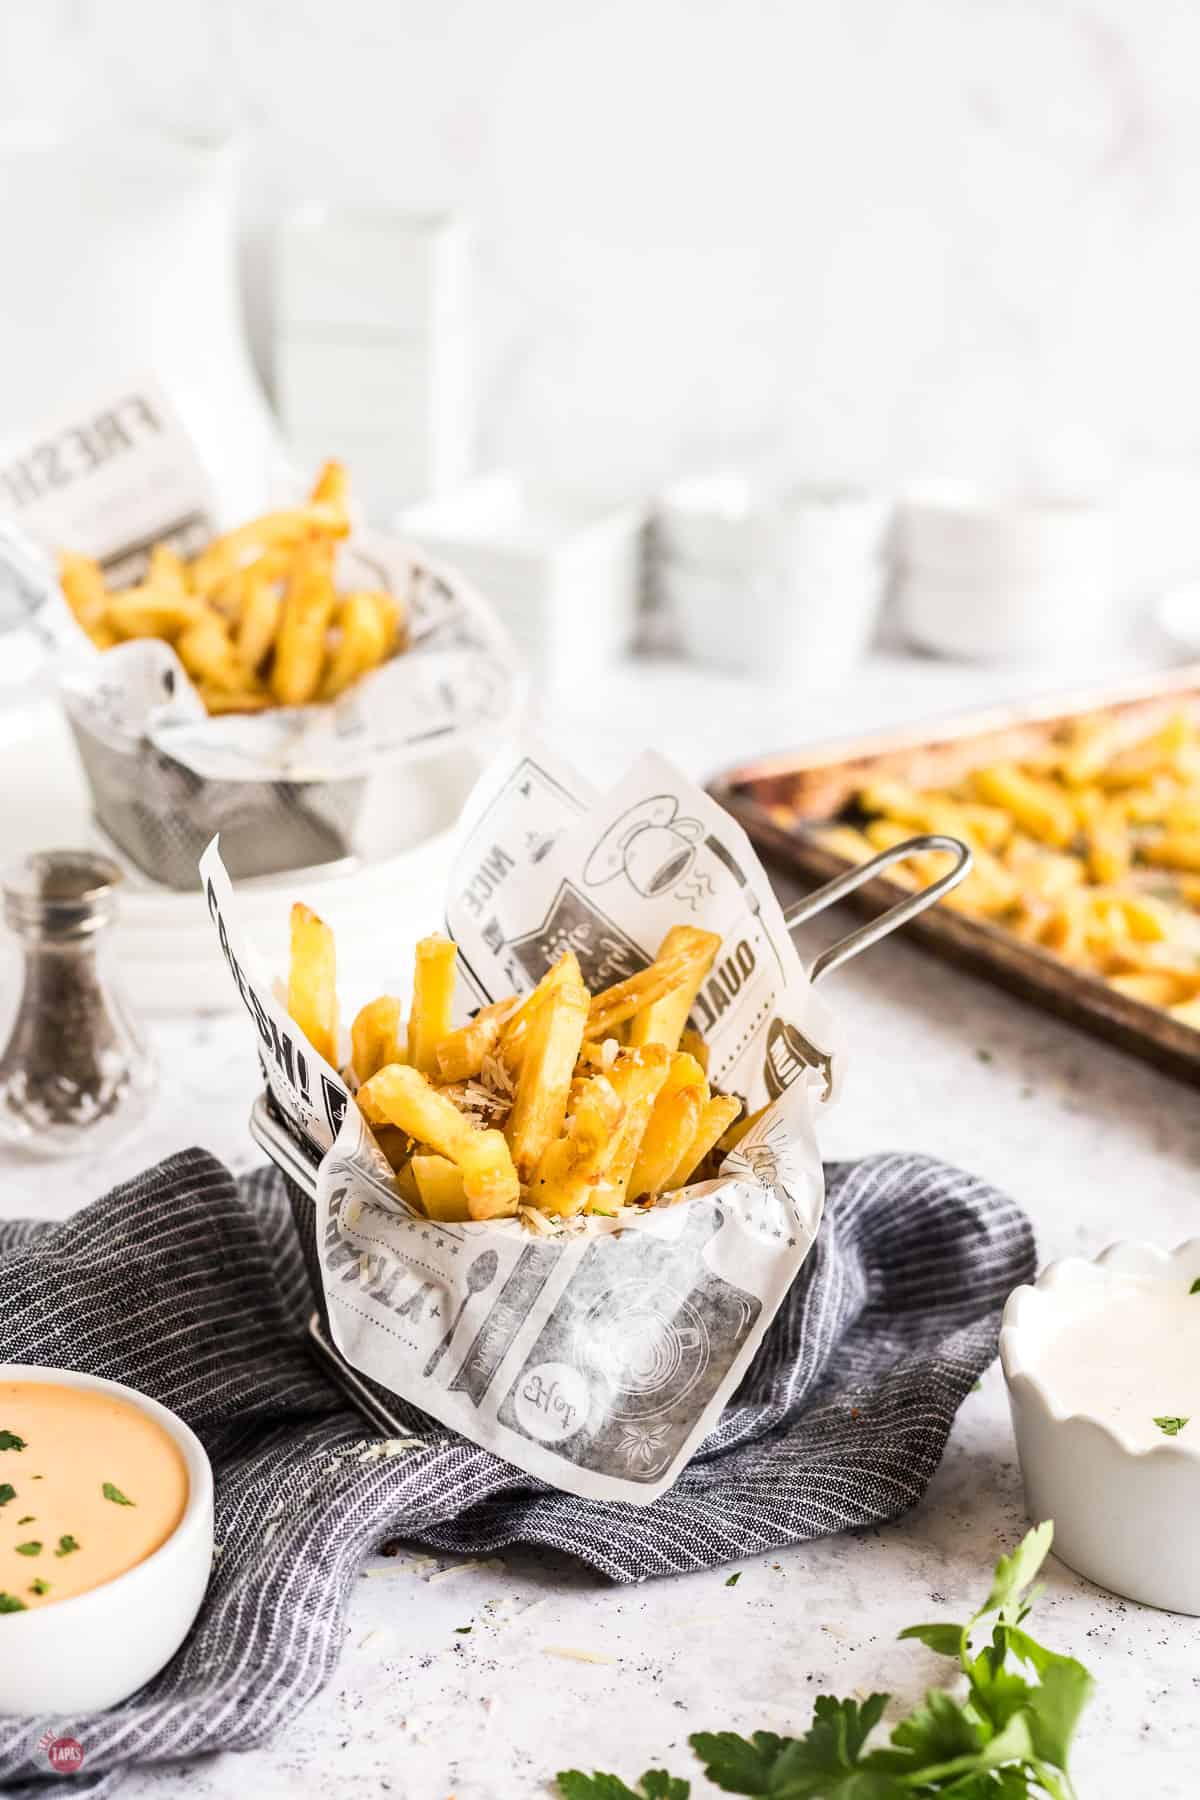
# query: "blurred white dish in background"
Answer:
x=782 y=583
x=375 y=370
x=1102 y=1361
x=119 y=259
x=999 y=578
x=1177 y=615
x=562 y=573
x=999 y=620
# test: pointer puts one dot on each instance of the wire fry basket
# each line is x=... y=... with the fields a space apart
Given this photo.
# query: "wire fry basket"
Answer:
x=161 y=814
x=298 y=1160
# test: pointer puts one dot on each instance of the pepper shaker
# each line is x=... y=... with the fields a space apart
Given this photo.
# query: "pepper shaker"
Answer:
x=75 y=1074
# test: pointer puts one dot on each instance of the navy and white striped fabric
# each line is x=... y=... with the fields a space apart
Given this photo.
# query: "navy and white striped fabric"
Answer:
x=193 y=1290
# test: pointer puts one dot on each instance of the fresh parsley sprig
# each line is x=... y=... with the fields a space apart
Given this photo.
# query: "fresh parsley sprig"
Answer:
x=1008 y=1738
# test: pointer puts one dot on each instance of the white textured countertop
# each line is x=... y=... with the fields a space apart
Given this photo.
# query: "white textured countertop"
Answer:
x=1092 y=1144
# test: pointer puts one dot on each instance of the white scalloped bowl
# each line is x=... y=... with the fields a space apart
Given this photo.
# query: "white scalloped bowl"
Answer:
x=1126 y=1513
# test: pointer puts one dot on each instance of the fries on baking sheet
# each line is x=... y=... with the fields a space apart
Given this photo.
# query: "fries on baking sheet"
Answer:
x=548 y=1107
x=1089 y=849
x=255 y=619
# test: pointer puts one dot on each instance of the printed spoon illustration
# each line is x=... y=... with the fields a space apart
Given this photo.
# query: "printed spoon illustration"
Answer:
x=480 y=1275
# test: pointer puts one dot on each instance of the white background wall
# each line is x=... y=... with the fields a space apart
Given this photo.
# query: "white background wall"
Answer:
x=875 y=238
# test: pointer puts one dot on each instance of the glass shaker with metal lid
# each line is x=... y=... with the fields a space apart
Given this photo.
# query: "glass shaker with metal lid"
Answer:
x=75 y=1073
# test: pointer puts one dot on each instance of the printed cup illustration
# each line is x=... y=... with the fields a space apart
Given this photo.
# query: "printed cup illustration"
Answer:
x=284 y=787
x=596 y=1356
x=652 y=845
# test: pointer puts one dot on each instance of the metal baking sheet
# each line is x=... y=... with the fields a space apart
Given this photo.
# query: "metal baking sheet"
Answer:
x=780 y=799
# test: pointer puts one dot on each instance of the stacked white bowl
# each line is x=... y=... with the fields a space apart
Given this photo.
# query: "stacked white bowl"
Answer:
x=783 y=583
x=993 y=578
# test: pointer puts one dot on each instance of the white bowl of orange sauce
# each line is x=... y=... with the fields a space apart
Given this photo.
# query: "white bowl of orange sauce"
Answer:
x=106 y=1539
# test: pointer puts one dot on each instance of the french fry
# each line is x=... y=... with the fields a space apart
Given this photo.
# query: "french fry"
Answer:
x=563 y=973
x=715 y=1120
x=625 y=998
x=82 y=581
x=234 y=700
x=393 y=613
x=260 y=608
x=847 y=842
x=1155 y=988
x=1163 y=750
x=738 y=1130
x=1174 y=850
x=1102 y=859
x=234 y=585
x=146 y=612
x=992 y=888
x=432 y=1002
x=547 y=1068
x=207 y=652
x=404 y=1097
x=694 y=1045
x=662 y=1021
x=1039 y=807
x=397 y=1148
x=166 y=573
x=984 y=827
x=331 y=490
x=1032 y=870
x=440 y=1188
x=570 y=1172
x=325 y=516
x=375 y=1036
x=638 y=1077
x=672 y=1128
x=362 y=644
x=312 y=981
x=1090 y=744
x=460 y=1055
x=307 y=609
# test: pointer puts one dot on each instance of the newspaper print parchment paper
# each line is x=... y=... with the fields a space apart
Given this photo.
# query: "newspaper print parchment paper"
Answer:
x=599 y=1359
x=123 y=475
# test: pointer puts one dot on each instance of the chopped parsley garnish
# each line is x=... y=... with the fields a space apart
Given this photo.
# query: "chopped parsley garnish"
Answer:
x=33 y=1548
x=10 y=1603
x=7 y=1492
x=985 y=1056
x=113 y=1493
x=462 y=1631
x=1170 y=1426
x=65 y=1545
x=29 y=1519
x=38 y=1586
x=10 y=1441
x=1195 y=1287
x=734 y=1579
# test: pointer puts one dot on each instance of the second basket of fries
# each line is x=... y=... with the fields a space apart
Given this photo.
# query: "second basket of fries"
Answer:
x=553 y=1194
x=253 y=688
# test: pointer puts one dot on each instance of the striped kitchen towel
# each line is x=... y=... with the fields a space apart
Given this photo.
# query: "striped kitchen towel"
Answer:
x=193 y=1289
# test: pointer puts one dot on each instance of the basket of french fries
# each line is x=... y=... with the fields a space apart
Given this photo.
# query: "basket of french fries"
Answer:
x=253 y=688
x=553 y=1195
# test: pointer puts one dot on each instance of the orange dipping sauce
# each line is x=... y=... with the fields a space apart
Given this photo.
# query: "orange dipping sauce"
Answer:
x=90 y=1485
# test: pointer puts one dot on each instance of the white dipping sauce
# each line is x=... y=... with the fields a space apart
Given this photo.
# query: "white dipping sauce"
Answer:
x=1125 y=1351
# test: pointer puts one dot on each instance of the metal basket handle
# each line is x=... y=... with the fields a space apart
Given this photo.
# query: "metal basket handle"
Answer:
x=895 y=916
